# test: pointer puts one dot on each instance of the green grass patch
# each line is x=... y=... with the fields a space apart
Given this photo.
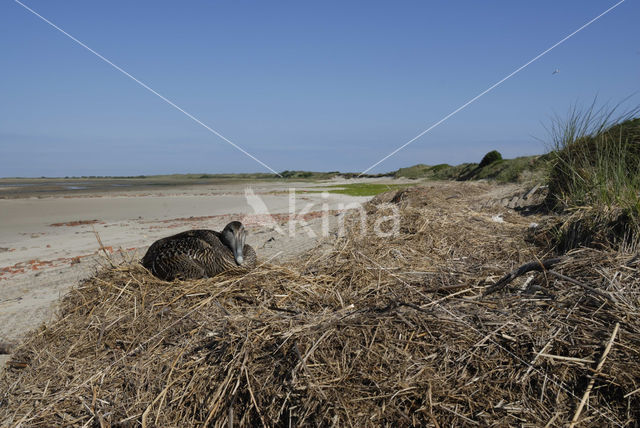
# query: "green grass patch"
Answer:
x=365 y=189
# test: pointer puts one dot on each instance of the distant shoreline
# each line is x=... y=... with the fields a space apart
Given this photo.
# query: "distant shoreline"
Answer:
x=520 y=169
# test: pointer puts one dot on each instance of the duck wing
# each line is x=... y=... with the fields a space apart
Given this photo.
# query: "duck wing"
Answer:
x=188 y=255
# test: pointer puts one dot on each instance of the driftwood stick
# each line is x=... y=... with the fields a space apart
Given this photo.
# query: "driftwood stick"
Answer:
x=585 y=397
x=527 y=267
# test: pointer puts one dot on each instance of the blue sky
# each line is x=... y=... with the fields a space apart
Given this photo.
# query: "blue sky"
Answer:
x=328 y=85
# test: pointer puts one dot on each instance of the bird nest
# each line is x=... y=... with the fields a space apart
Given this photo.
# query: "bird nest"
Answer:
x=406 y=330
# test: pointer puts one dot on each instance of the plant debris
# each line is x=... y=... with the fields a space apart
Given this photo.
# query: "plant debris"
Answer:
x=389 y=331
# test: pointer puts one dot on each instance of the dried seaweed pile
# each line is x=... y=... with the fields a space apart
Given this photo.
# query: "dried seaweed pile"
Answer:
x=391 y=331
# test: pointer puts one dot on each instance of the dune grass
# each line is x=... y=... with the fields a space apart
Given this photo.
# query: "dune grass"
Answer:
x=595 y=175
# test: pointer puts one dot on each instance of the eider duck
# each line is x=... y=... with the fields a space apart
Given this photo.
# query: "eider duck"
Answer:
x=200 y=254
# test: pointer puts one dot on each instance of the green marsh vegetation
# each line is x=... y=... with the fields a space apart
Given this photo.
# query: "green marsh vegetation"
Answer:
x=366 y=189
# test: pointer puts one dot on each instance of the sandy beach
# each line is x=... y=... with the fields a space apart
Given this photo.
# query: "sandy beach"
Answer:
x=49 y=242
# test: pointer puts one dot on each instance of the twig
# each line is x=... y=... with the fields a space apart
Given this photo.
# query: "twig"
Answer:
x=230 y=412
x=162 y=394
x=585 y=397
x=552 y=420
x=535 y=359
x=102 y=247
x=253 y=398
x=585 y=286
x=527 y=267
x=289 y=311
x=631 y=393
x=446 y=288
x=563 y=358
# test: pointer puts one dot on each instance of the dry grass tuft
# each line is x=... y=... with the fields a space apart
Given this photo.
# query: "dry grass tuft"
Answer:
x=376 y=332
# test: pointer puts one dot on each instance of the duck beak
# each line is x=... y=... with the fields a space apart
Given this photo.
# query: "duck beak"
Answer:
x=238 y=255
x=237 y=251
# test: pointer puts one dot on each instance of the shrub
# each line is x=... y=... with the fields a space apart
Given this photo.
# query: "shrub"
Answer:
x=490 y=158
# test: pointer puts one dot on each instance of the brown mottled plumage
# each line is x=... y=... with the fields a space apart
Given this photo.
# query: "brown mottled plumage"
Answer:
x=200 y=253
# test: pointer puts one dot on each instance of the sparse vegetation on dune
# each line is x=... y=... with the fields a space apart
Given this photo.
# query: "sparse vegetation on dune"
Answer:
x=521 y=169
x=431 y=172
x=592 y=171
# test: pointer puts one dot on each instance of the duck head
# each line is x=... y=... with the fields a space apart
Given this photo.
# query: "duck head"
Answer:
x=233 y=236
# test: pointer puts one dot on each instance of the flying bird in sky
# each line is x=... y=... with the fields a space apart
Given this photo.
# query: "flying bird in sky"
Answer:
x=556 y=71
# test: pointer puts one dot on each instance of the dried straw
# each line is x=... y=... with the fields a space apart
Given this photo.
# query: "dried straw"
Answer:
x=375 y=332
